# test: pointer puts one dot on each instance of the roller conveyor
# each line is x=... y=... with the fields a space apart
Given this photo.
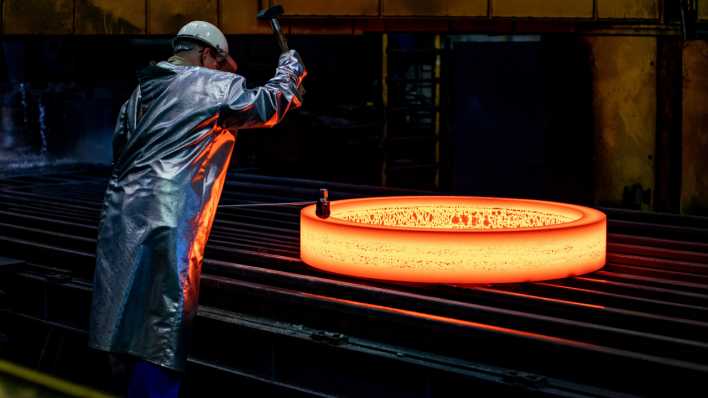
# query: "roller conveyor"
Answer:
x=270 y=323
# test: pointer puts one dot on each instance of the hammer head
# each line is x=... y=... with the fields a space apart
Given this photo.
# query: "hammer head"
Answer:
x=271 y=13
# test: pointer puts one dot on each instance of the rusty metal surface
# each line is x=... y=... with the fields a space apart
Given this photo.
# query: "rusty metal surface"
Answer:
x=467 y=7
x=470 y=8
x=110 y=17
x=624 y=111
x=164 y=17
x=321 y=27
x=628 y=9
x=329 y=7
x=694 y=196
x=543 y=9
x=703 y=10
x=239 y=17
x=167 y=16
x=38 y=16
x=412 y=7
x=669 y=110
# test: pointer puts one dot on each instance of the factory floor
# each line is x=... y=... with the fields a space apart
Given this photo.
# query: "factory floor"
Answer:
x=17 y=381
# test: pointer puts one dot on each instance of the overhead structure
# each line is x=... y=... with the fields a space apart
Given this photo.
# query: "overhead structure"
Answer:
x=160 y=17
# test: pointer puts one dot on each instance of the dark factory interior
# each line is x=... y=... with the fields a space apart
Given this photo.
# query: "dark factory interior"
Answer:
x=353 y=198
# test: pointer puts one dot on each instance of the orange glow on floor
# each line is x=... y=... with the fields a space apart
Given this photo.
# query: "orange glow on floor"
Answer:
x=452 y=239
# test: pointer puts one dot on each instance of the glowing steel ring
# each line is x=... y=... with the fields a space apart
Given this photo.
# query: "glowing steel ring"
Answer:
x=452 y=239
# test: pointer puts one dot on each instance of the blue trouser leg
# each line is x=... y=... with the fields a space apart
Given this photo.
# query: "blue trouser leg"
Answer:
x=153 y=381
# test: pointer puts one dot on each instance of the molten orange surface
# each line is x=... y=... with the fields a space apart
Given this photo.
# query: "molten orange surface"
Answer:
x=450 y=239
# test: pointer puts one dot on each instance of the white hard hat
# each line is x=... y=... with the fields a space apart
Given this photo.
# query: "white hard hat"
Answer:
x=206 y=33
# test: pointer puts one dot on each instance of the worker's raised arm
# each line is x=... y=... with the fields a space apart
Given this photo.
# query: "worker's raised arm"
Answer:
x=265 y=106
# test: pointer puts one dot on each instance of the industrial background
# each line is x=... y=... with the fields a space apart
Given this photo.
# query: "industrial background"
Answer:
x=596 y=102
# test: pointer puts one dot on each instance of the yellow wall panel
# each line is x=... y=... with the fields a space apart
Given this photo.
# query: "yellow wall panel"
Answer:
x=167 y=16
x=624 y=112
x=38 y=16
x=470 y=8
x=703 y=10
x=631 y=9
x=325 y=27
x=542 y=8
x=694 y=180
x=467 y=8
x=239 y=17
x=110 y=16
x=330 y=7
x=414 y=7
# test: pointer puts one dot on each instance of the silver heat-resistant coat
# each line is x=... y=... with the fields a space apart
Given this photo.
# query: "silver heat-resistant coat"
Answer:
x=171 y=149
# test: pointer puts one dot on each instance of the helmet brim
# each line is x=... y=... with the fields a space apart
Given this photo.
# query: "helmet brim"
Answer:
x=201 y=41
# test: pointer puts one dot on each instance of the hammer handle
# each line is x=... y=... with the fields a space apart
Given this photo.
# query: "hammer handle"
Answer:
x=282 y=43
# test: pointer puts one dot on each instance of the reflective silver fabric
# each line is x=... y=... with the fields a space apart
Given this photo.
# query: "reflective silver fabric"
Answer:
x=171 y=148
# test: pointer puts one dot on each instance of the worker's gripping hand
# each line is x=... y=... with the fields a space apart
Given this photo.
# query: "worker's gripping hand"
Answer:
x=294 y=61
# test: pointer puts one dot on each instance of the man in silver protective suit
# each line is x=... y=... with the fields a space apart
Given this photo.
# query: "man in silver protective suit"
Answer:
x=171 y=148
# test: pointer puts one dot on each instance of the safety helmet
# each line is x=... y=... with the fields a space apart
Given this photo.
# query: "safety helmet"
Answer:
x=205 y=33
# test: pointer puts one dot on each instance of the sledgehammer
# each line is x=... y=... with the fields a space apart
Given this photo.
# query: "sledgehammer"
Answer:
x=272 y=14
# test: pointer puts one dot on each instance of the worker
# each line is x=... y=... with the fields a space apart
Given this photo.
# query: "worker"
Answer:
x=171 y=150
